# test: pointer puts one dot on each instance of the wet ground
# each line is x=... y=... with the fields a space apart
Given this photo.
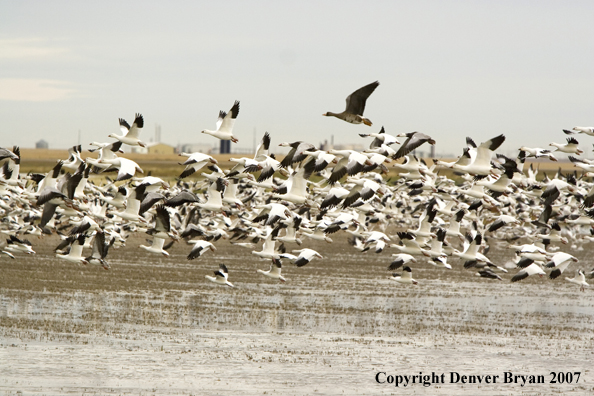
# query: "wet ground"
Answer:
x=155 y=325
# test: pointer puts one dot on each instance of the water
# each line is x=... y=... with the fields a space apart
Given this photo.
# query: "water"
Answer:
x=154 y=325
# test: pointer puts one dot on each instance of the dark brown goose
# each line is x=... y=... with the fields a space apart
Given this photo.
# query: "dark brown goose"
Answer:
x=355 y=105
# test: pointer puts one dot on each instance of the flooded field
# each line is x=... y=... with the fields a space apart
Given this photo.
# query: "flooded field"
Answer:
x=155 y=325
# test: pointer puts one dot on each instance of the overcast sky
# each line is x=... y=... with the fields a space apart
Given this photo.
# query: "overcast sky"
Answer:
x=448 y=69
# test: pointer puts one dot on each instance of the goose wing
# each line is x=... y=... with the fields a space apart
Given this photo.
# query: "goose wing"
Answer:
x=355 y=102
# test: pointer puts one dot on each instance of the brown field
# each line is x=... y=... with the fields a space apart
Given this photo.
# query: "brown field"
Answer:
x=161 y=165
x=154 y=325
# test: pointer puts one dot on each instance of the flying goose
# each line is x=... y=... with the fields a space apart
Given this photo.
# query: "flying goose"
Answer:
x=221 y=276
x=305 y=256
x=130 y=134
x=225 y=124
x=100 y=249
x=274 y=271
x=532 y=269
x=413 y=140
x=355 y=105
x=405 y=278
x=571 y=147
x=579 y=279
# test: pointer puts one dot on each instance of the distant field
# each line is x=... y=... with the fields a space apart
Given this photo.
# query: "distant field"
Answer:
x=162 y=165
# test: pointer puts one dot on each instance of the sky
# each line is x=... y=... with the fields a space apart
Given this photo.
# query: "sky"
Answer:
x=448 y=69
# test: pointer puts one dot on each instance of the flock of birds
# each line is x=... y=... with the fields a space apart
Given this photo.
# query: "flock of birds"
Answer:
x=313 y=194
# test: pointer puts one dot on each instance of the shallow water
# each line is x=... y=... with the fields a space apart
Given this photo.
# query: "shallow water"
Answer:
x=154 y=325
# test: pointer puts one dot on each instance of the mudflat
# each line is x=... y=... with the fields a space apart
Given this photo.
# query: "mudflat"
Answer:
x=154 y=325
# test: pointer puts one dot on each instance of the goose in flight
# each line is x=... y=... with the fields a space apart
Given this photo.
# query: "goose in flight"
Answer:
x=579 y=279
x=221 y=276
x=480 y=164
x=305 y=256
x=195 y=162
x=355 y=105
x=571 y=147
x=225 y=124
x=100 y=249
x=532 y=269
x=579 y=129
x=274 y=271
x=405 y=278
x=130 y=133
x=413 y=140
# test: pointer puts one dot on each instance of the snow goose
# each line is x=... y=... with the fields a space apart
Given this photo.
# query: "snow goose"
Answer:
x=487 y=273
x=126 y=168
x=195 y=162
x=413 y=140
x=364 y=188
x=297 y=193
x=405 y=278
x=441 y=261
x=221 y=276
x=553 y=236
x=532 y=269
x=481 y=163
x=471 y=253
x=502 y=221
x=355 y=105
x=571 y=147
x=436 y=245
x=272 y=213
x=334 y=197
x=274 y=271
x=16 y=245
x=292 y=227
x=399 y=260
x=305 y=256
x=86 y=224
x=579 y=129
x=379 y=239
x=408 y=244
x=269 y=250
x=200 y=247
x=585 y=165
x=269 y=166
x=76 y=248
x=537 y=152
x=130 y=133
x=157 y=246
x=74 y=160
x=579 y=279
x=215 y=199
x=104 y=150
x=413 y=166
x=299 y=151
x=132 y=208
x=560 y=261
x=454 y=228
x=118 y=200
x=263 y=147
x=225 y=124
x=7 y=154
x=380 y=138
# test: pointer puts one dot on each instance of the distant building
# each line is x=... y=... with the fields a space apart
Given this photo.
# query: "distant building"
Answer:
x=196 y=148
x=42 y=144
x=160 y=148
x=154 y=148
x=225 y=147
x=352 y=146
